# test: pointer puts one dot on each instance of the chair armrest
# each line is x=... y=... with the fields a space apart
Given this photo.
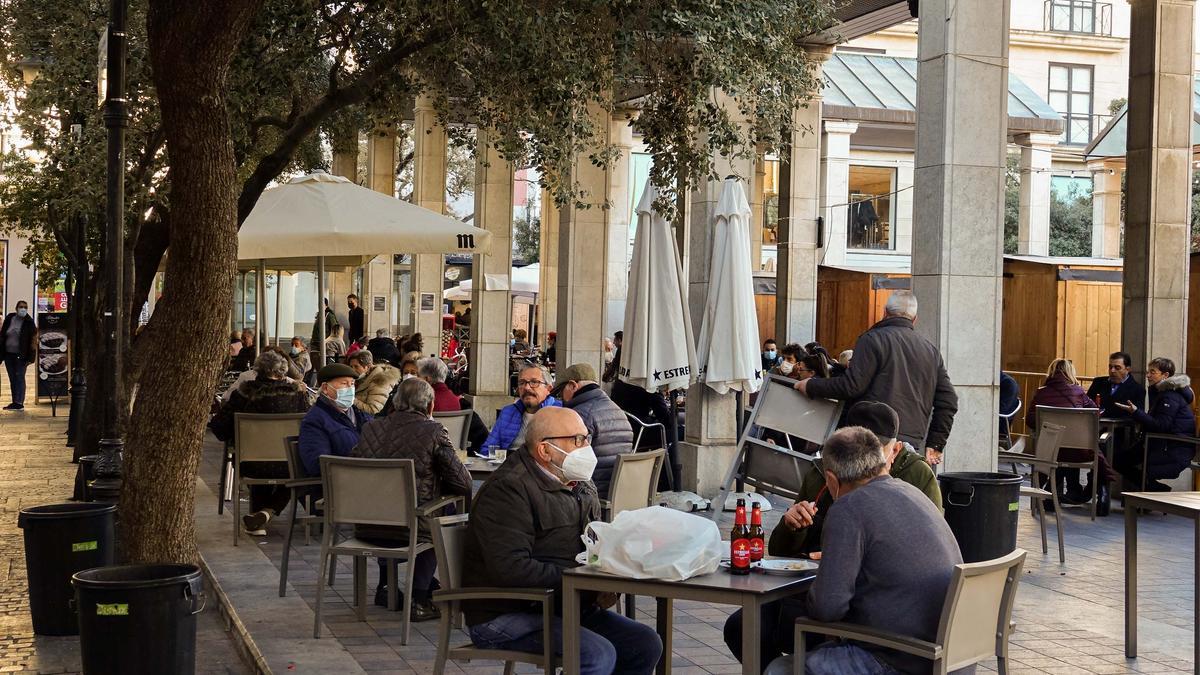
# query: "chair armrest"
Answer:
x=1020 y=458
x=429 y=508
x=902 y=643
x=1172 y=437
x=303 y=482
x=542 y=595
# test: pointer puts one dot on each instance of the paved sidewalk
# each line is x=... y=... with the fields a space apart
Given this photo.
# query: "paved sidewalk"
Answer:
x=1069 y=618
x=36 y=468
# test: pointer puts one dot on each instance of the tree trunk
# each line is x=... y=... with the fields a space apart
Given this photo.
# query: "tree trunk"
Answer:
x=191 y=46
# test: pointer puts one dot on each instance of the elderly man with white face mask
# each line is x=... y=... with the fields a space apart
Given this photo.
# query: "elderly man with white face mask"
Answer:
x=332 y=426
x=525 y=530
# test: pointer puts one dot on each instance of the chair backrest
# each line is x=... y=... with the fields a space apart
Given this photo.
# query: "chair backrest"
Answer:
x=978 y=609
x=1013 y=413
x=449 y=540
x=1081 y=426
x=642 y=431
x=354 y=487
x=1049 y=440
x=781 y=408
x=773 y=468
x=635 y=480
x=260 y=437
x=295 y=464
x=458 y=425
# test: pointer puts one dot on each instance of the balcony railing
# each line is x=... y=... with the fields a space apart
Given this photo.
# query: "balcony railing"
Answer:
x=1078 y=16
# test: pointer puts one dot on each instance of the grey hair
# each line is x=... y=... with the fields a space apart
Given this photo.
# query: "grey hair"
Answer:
x=433 y=368
x=545 y=374
x=363 y=358
x=302 y=342
x=381 y=332
x=901 y=303
x=853 y=454
x=271 y=364
x=413 y=394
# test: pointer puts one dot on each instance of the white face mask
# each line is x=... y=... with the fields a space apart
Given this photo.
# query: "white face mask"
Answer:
x=22 y=312
x=578 y=465
x=786 y=366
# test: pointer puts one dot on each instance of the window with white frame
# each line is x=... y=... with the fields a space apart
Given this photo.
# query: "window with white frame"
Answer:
x=1070 y=93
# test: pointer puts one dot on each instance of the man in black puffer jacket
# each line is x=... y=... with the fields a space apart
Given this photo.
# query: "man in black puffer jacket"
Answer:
x=1169 y=412
x=611 y=432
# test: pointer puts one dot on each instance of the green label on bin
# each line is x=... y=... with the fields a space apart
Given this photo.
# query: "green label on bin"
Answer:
x=1014 y=506
x=115 y=609
x=81 y=546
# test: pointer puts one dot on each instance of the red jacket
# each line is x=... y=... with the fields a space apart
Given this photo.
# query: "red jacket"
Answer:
x=1059 y=393
x=445 y=400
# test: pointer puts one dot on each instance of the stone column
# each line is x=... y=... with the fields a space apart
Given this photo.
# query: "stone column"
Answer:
x=619 y=220
x=799 y=207
x=548 y=282
x=583 y=256
x=491 y=322
x=962 y=147
x=755 y=197
x=1106 y=209
x=1158 y=179
x=1033 y=237
x=711 y=439
x=835 y=188
x=377 y=275
x=429 y=192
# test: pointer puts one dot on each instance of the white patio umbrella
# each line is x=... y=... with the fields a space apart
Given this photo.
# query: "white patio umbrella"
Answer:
x=525 y=281
x=319 y=217
x=657 y=349
x=728 y=347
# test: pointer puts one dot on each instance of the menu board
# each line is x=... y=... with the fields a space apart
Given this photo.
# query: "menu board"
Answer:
x=53 y=360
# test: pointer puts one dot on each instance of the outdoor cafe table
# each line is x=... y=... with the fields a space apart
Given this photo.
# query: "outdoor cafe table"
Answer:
x=480 y=468
x=750 y=592
x=1186 y=504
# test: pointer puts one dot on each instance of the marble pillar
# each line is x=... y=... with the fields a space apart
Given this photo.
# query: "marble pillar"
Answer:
x=799 y=209
x=377 y=276
x=620 y=218
x=757 y=219
x=548 y=257
x=958 y=228
x=490 y=282
x=583 y=254
x=1106 y=209
x=1158 y=181
x=1033 y=234
x=835 y=188
x=429 y=192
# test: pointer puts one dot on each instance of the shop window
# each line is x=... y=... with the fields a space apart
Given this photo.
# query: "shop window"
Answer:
x=869 y=221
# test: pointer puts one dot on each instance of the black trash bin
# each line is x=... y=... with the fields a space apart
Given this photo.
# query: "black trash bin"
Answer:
x=60 y=540
x=981 y=509
x=83 y=476
x=138 y=619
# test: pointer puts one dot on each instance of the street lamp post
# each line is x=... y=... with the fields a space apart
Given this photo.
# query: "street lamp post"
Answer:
x=107 y=486
x=78 y=301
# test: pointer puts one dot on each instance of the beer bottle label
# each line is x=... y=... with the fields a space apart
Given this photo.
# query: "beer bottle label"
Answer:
x=756 y=549
x=740 y=555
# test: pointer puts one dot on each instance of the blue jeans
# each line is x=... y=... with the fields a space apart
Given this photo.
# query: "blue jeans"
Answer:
x=608 y=642
x=15 y=364
x=841 y=658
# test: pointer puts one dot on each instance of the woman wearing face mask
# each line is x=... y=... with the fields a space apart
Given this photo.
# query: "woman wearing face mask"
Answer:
x=299 y=356
x=19 y=336
x=332 y=426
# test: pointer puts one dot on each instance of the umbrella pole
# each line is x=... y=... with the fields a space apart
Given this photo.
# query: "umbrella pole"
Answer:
x=740 y=417
x=321 y=310
x=674 y=470
x=260 y=309
x=278 y=295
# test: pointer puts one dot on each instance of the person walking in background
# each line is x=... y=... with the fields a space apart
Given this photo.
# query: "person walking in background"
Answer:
x=20 y=335
x=357 y=318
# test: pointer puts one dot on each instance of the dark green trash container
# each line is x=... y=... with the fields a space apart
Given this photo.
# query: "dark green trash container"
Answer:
x=981 y=509
x=138 y=619
x=60 y=540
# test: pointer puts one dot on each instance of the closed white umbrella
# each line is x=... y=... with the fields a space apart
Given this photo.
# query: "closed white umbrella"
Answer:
x=657 y=349
x=728 y=347
x=523 y=281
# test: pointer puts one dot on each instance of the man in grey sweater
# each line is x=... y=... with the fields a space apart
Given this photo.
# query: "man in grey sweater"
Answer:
x=887 y=559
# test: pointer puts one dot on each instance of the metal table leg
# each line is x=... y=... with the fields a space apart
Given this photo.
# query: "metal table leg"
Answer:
x=751 y=618
x=1131 y=580
x=570 y=627
x=666 y=625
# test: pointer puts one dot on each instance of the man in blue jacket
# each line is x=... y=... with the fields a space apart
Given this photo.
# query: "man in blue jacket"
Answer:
x=332 y=426
x=533 y=392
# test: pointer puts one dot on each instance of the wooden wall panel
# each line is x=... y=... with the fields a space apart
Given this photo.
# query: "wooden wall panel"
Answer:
x=764 y=305
x=1029 y=326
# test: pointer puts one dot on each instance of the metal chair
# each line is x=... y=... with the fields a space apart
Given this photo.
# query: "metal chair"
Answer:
x=449 y=535
x=975 y=624
x=770 y=468
x=1081 y=429
x=634 y=485
x=258 y=438
x=304 y=491
x=458 y=425
x=1190 y=440
x=1008 y=422
x=352 y=487
x=1044 y=461
x=640 y=429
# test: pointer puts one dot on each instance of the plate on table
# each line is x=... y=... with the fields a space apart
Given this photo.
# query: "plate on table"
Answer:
x=787 y=566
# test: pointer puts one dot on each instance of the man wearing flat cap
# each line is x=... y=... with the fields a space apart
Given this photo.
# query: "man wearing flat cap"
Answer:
x=332 y=426
x=607 y=424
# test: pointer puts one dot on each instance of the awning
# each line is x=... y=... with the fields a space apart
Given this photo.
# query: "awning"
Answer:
x=1110 y=142
x=881 y=88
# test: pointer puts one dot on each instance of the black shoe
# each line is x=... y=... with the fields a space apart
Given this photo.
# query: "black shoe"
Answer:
x=1048 y=505
x=381 y=597
x=424 y=610
x=1075 y=495
x=1103 y=501
x=256 y=523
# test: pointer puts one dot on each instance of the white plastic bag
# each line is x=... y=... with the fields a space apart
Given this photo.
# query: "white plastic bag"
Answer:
x=654 y=543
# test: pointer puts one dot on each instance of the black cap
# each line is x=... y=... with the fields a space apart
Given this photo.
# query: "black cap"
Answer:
x=334 y=371
x=878 y=418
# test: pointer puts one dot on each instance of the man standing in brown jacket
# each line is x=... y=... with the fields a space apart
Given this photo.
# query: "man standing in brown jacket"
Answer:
x=410 y=432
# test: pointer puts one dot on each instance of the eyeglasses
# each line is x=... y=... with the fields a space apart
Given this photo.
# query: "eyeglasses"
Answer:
x=532 y=383
x=580 y=440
